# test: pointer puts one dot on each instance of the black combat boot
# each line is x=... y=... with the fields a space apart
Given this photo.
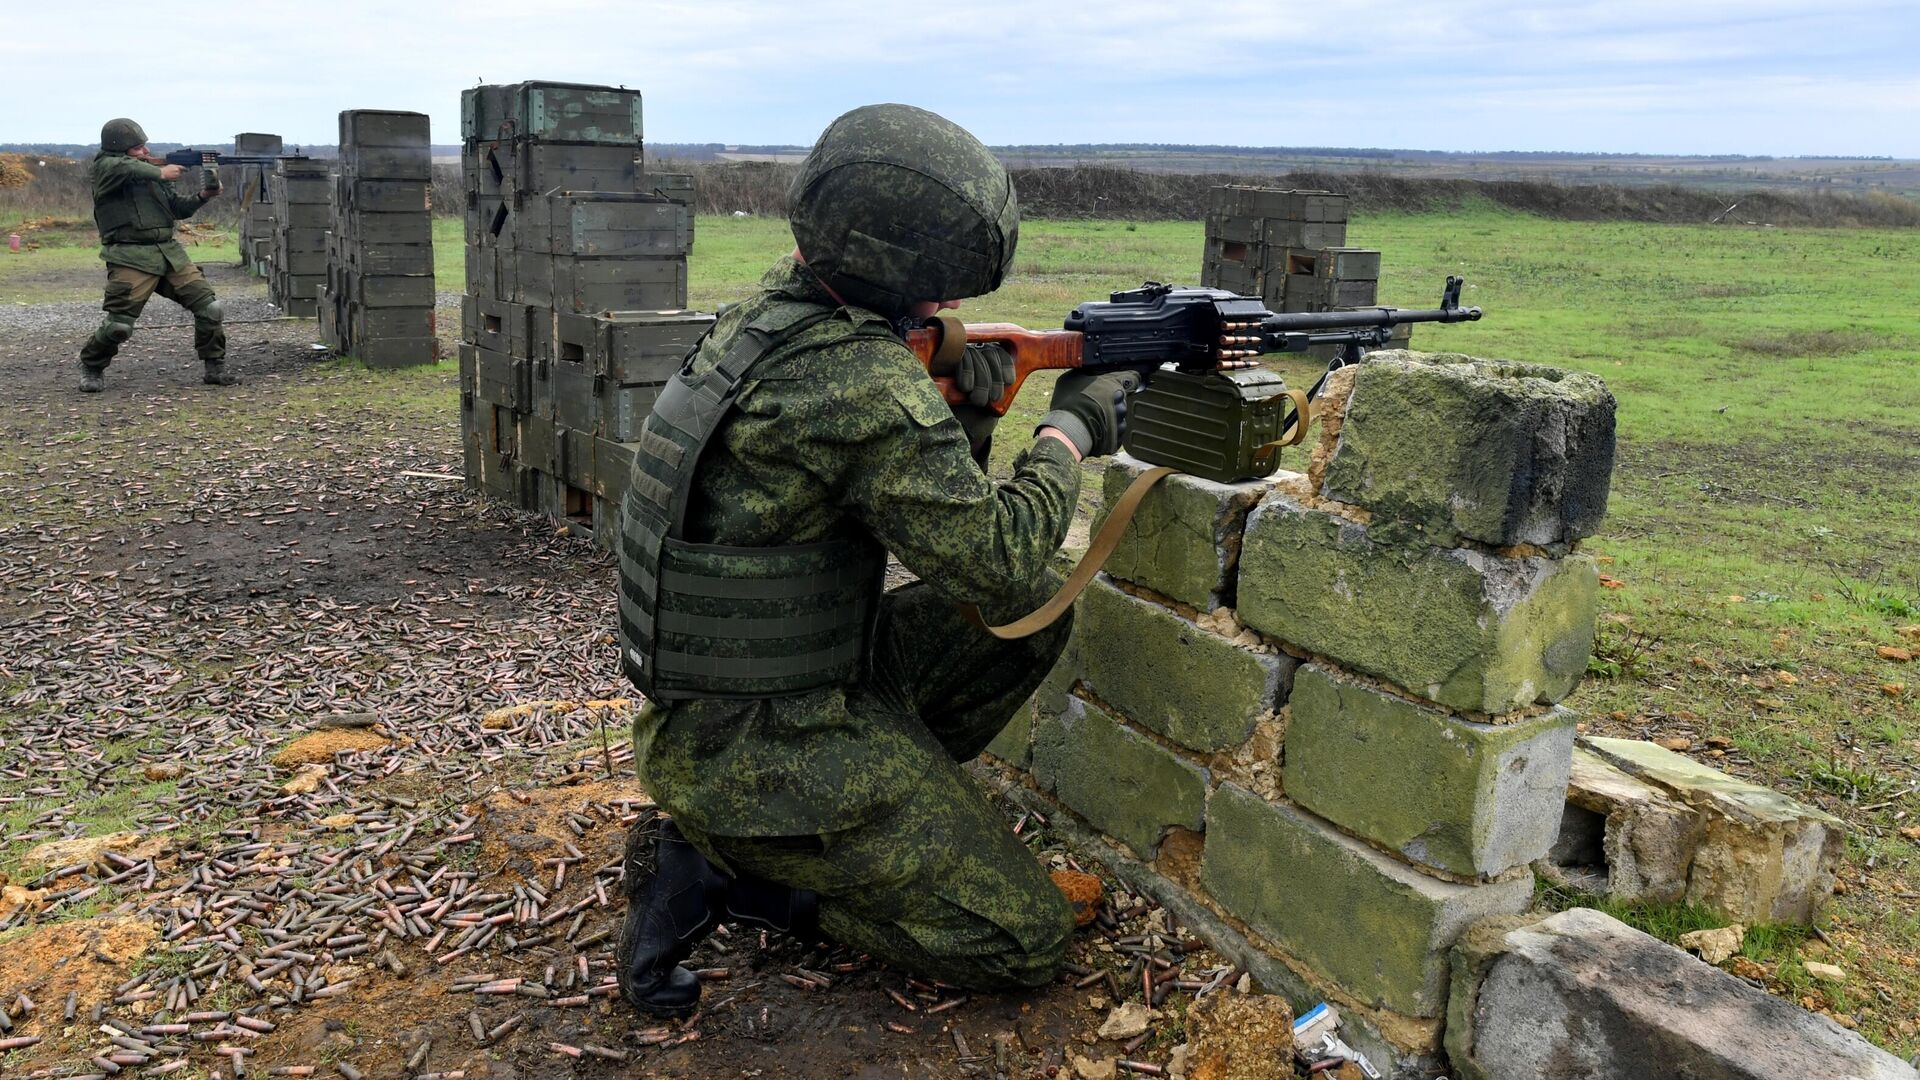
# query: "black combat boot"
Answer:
x=218 y=375
x=675 y=898
x=92 y=379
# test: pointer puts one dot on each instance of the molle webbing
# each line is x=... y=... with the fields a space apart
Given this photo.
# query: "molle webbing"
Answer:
x=714 y=620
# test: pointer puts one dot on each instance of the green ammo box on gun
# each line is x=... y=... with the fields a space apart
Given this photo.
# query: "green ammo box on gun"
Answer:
x=1218 y=426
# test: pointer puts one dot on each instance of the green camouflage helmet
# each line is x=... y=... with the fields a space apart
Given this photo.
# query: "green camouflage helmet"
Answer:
x=896 y=205
x=122 y=135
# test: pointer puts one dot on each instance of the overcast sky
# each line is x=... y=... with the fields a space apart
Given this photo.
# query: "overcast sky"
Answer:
x=1776 y=77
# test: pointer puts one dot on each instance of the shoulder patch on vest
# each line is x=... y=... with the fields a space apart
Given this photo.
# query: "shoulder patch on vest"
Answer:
x=921 y=401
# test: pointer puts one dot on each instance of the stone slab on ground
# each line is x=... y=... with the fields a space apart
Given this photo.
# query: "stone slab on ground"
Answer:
x=1467 y=798
x=1623 y=836
x=1494 y=451
x=1478 y=632
x=1167 y=674
x=1763 y=857
x=1122 y=782
x=1184 y=540
x=1376 y=927
x=1582 y=996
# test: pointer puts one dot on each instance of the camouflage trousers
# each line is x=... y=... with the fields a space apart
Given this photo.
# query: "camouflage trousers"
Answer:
x=128 y=291
x=938 y=886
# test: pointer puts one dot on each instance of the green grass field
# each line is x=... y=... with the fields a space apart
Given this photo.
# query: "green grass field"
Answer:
x=1763 y=543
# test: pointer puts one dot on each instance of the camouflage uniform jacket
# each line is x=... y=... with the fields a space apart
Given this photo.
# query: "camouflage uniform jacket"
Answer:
x=135 y=210
x=831 y=432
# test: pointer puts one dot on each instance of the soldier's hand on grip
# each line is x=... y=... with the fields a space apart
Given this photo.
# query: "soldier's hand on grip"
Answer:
x=171 y=172
x=984 y=373
x=1091 y=410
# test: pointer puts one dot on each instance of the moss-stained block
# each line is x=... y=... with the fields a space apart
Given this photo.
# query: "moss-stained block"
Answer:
x=1377 y=928
x=1491 y=450
x=1123 y=783
x=1475 y=631
x=1168 y=675
x=1467 y=798
x=1184 y=540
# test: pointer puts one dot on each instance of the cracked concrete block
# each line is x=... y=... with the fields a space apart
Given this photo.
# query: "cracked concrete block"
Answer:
x=1479 y=632
x=1184 y=540
x=1582 y=996
x=1467 y=798
x=1761 y=856
x=1623 y=836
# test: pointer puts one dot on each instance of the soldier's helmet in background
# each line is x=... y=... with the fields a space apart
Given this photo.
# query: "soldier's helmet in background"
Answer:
x=896 y=205
x=122 y=135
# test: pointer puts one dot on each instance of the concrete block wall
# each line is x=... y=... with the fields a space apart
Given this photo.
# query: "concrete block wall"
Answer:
x=576 y=290
x=301 y=198
x=1317 y=713
x=377 y=301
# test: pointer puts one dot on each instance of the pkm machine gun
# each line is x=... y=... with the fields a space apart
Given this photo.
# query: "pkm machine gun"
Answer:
x=1207 y=408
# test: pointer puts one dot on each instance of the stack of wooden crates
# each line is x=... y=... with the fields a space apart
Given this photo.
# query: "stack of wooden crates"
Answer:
x=575 y=308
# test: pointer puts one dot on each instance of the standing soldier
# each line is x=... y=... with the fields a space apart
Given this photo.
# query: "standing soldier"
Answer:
x=134 y=207
x=804 y=729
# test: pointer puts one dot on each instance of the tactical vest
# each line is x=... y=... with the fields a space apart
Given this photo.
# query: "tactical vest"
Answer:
x=725 y=621
x=136 y=212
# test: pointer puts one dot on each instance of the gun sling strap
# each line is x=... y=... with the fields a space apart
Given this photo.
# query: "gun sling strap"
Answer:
x=1108 y=538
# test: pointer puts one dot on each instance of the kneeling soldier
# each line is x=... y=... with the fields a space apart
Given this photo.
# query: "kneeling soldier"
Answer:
x=135 y=207
x=805 y=729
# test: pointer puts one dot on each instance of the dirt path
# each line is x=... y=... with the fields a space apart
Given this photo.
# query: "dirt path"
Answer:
x=191 y=578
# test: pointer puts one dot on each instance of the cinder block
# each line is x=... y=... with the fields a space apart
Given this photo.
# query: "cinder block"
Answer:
x=1499 y=452
x=1478 y=632
x=1168 y=675
x=1377 y=928
x=1470 y=799
x=1123 y=783
x=1184 y=540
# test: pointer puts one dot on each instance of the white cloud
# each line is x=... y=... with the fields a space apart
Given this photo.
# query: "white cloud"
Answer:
x=1758 y=76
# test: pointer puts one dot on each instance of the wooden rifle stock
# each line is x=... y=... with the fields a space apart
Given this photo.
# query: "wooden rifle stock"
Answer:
x=941 y=344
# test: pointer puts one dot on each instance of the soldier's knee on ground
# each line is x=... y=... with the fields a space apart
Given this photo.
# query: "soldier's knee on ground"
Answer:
x=1035 y=948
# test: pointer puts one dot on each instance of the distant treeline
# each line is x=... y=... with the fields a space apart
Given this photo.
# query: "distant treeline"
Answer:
x=1130 y=194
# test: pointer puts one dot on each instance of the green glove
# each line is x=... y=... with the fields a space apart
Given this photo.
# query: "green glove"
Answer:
x=984 y=373
x=1091 y=410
